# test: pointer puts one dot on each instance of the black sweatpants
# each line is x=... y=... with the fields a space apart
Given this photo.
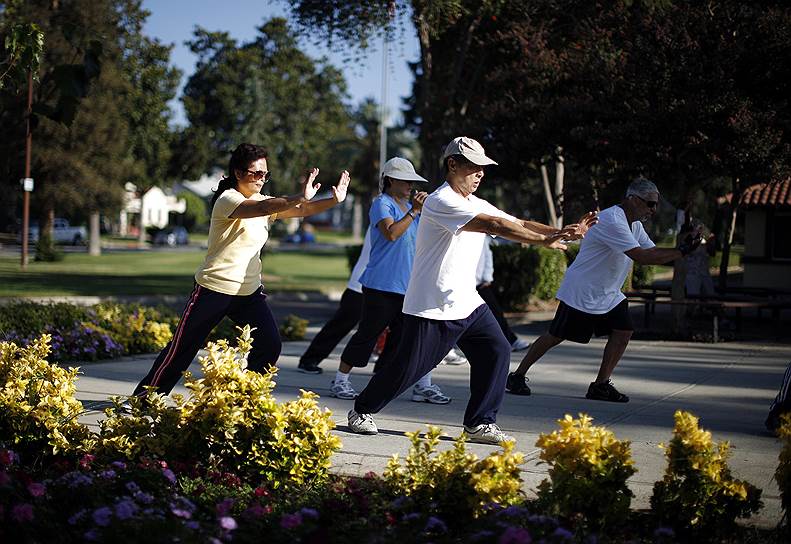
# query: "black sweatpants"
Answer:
x=345 y=318
x=381 y=309
x=204 y=310
x=424 y=344
x=490 y=298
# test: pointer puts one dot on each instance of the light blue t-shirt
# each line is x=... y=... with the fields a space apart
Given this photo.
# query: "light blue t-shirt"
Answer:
x=390 y=263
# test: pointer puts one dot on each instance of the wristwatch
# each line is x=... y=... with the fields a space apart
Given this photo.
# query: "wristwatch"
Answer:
x=411 y=214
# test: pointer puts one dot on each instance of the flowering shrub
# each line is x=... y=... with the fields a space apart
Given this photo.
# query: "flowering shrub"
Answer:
x=88 y=333
x=38 y=411
x=783 y=472
x=455 y=482
x=698 y=495
x=139 y=329
x=293 y=328
x=587 y=474
x=229 y=422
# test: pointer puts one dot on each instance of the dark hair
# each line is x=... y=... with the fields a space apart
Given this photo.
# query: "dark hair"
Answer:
x=241 y=157
x=458 y=159
x=386 y=183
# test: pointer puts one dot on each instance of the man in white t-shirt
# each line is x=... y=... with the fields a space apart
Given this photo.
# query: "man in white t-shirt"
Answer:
x=591 y=301
x=441 y=305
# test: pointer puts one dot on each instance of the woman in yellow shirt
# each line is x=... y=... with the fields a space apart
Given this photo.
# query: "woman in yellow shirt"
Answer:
x=229 y=281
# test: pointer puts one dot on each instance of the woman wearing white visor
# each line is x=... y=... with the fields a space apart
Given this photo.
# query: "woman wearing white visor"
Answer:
x=394 y=225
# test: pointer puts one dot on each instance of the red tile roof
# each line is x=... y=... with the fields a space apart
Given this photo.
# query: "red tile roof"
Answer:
x=768 y=195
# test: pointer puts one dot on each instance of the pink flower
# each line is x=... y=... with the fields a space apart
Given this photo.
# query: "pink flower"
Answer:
x=86 y=460
x=37 y=489
x=6 y=457
x=22 y=512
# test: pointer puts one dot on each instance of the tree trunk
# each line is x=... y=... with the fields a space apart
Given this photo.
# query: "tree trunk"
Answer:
x=94 y=240
x=731 y=227
x=560 y=172
x=551 y=216
x=357 y=219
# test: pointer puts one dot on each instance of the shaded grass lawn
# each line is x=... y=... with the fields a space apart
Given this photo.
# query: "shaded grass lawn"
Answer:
x=162 y=273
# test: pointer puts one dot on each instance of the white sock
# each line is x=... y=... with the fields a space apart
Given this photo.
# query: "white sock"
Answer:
x=341 y=377
x=425 y=381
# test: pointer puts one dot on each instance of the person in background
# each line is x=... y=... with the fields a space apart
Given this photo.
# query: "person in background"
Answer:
x=346 y=318
x=228 y=283
x=394 y=225
x=591 y=301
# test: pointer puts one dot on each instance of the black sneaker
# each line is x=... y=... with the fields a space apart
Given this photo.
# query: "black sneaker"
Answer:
x=517 y=385
x=605 y=391
x=309 y=367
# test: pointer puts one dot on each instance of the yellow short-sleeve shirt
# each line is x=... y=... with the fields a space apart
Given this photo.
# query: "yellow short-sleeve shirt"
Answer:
x=233 y=258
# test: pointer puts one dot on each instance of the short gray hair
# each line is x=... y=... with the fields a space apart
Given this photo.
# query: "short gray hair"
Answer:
x=641 y=187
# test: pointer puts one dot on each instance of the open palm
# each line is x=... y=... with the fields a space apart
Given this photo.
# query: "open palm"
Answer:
x=340 y=190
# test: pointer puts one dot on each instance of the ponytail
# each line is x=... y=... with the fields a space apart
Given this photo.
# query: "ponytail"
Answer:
x=225 y=184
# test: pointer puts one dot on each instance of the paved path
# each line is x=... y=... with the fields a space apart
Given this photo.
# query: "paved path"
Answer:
x=728 y=385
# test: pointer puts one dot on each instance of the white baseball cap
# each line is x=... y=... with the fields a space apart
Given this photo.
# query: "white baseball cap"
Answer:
x=469 y=149
x=401 y=169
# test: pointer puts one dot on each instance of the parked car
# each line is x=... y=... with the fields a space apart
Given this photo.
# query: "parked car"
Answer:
x=171 y=236
x=62 y=233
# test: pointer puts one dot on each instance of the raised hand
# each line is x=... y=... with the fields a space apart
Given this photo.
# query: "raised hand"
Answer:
x=309 y=189
x=576 y=231
x=339 y=191
x=417 y=201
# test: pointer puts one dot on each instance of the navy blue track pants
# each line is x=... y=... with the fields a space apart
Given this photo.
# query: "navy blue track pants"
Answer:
x=424 y=343
x=204 y=310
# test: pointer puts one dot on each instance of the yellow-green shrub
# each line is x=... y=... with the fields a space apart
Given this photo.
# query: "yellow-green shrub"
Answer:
x=139 y=329
x=231 y=422
x=293 y=328
x=698 y=495
x=38 y=410
x=783 y=472
x=588 y=472
x=455 y=482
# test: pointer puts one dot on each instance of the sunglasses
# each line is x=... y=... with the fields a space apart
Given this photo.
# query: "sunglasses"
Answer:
x=650 y=203
x=260 y=174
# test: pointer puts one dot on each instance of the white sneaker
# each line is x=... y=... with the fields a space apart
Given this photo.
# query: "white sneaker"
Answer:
x=454 y=357
x=520 y=345
x=361 y=423
x=486 y=433
x=342 y=390
x=431 y=394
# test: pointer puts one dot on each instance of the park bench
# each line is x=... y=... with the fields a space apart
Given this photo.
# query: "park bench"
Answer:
x=718 y=306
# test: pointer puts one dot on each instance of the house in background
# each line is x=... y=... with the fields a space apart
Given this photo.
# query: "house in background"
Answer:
x=148 y=209
x=767 y=235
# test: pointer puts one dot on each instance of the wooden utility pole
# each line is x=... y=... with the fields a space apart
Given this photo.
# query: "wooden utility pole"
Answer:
x=25 y=191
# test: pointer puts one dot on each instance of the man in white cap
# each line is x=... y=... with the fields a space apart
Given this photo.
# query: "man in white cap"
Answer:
x=442 y=307
x=591 y=301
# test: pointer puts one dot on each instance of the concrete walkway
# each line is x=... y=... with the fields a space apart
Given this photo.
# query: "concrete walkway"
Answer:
x=729 y=386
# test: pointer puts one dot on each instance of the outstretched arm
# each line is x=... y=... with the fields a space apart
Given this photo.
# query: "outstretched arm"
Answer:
x=308 y=208
x=279 y=205
x=659 y=255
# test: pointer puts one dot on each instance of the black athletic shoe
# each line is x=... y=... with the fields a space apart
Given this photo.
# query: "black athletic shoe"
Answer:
x=517 y=385
x=605 y=391
x=308 y=367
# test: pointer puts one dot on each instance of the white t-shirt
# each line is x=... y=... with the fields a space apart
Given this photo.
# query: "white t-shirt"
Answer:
x=359 y=267
x=593 y=281
x=442 y=284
